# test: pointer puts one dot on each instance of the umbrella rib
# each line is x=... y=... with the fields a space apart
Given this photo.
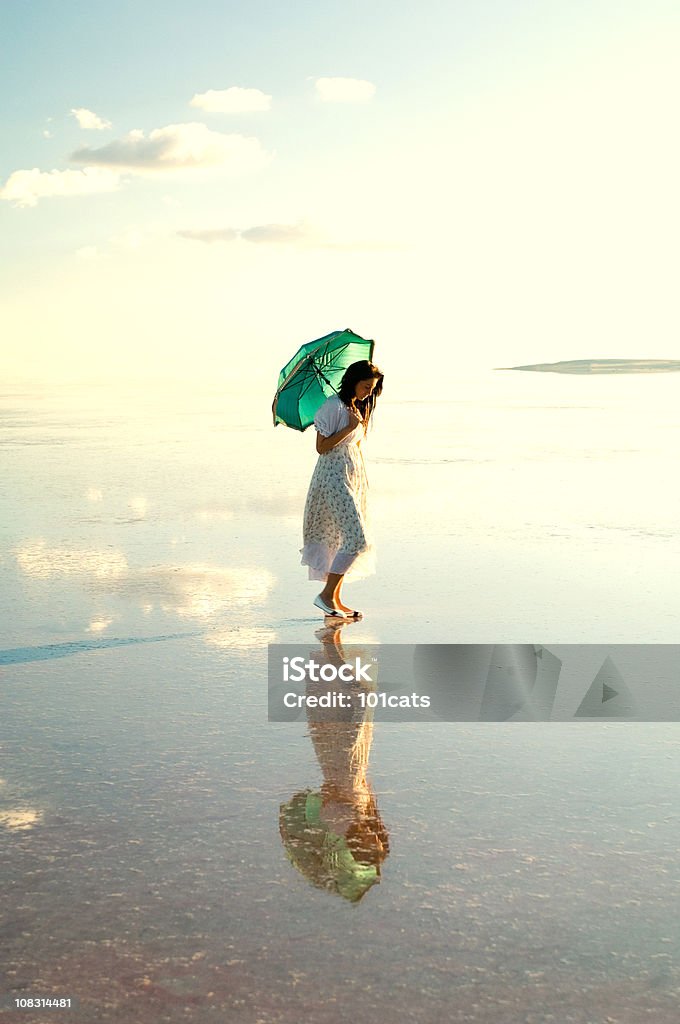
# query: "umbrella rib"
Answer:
x=312 y=362
x=296 y=369
x=306 y=386
x=323 y=376
x=336 y=351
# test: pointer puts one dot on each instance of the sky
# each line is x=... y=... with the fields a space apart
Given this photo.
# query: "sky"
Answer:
x=192 y=191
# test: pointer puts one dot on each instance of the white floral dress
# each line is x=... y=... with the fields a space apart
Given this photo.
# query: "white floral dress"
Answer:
x=336 y=530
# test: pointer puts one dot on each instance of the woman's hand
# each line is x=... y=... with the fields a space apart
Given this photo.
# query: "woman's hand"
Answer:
x=325 y=444
x=355 y=419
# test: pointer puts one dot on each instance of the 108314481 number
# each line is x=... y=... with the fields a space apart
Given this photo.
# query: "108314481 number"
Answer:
x=41 y=1003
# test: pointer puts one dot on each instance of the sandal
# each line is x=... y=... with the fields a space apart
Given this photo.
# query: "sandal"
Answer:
x=327 y=609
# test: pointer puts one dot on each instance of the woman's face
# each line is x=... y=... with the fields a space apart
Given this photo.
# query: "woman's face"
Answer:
x=364 y=388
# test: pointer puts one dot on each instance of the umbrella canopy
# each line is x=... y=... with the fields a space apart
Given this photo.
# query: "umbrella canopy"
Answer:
x=314 y=374
x=319 y=854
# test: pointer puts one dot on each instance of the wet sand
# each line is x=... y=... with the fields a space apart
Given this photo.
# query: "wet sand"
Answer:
x=149 y=561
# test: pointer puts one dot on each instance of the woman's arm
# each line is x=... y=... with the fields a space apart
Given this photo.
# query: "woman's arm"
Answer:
x=325 y=444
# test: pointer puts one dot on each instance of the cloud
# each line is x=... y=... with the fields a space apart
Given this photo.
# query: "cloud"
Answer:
x=191 y=591
x=90 y=121
x=301 y=234
x=129 y=238
x=190 y=146
x=344 y=90
x=39 y=561
x=232 y=101
x=87 y=252
x=211 y=235
x=98 y=625
x=26 y=187
x=138 y=505
x=277 y=234
x=214 y=514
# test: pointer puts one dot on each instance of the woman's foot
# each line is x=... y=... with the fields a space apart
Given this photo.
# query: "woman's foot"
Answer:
x=350 y=612
x=327 y=607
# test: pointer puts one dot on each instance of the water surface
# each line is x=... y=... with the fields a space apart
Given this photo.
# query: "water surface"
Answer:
x=149 y=554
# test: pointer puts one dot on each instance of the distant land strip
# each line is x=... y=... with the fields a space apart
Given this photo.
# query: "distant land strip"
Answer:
x=602 y=366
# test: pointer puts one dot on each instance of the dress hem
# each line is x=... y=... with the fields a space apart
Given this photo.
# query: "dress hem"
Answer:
x=321 y=561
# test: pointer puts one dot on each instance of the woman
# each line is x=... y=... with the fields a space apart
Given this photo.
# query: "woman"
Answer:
x=335 y=835
x=336 y=531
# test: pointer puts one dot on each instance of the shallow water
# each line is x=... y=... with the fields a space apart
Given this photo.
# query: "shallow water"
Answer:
x=150 y=553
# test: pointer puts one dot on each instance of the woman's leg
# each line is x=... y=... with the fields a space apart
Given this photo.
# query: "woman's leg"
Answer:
x=331 y=592
x=337 y=600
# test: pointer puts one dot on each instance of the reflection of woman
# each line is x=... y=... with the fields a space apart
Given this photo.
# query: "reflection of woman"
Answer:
x=336 y=836
x=336 y=532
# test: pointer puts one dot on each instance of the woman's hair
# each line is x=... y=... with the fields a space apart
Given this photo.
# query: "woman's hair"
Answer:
x=363 y=370
x=367 y=838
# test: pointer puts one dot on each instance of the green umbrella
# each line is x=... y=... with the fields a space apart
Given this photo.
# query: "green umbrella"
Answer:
x=320 y=854
x=314 y=374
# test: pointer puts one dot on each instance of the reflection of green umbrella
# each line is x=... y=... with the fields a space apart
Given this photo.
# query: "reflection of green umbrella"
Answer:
x=319 y=854
x=314 y=374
